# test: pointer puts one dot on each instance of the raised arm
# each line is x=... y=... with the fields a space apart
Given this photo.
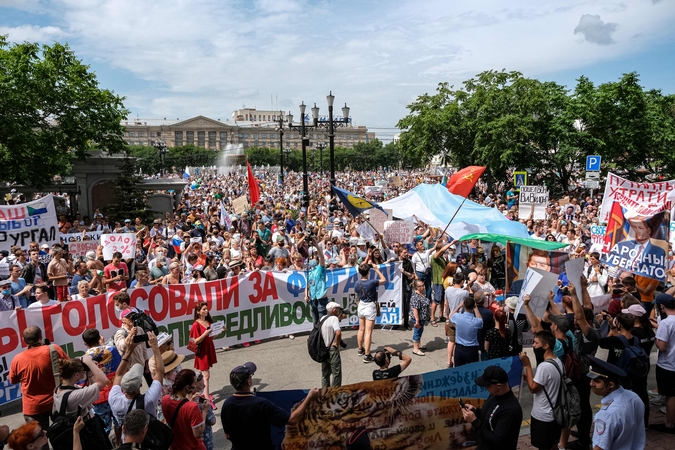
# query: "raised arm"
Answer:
x=578 y=310
x=534 y=320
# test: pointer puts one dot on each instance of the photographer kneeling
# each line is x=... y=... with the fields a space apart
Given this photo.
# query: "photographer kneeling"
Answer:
x=383 y=359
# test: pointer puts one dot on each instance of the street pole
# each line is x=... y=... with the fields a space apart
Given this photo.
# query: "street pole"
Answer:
x=331 y=138
x=305 y=181
x=281 y=145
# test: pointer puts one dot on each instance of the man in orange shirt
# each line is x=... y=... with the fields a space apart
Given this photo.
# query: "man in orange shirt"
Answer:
x=33 y=369
x=646 y=287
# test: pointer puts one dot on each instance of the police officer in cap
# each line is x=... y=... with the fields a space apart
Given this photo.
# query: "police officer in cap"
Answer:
x=619 y=425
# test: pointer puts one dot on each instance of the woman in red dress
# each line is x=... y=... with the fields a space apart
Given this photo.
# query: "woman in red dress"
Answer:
x=205 y=358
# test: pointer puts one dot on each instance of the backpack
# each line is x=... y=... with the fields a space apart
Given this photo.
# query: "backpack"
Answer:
x=567 y=409
x=572 y=364
x=634 y=361
x=315 y=344
x=145 y=322
x=60 y=432
x=159 y=435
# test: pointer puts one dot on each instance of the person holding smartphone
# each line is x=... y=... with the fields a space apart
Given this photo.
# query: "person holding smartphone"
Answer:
x=205 y=357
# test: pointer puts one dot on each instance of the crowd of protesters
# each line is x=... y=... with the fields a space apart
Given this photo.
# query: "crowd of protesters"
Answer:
x=458 y=284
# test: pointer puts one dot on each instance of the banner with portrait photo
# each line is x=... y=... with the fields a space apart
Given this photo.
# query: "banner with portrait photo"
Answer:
x=520 y=257
x=637 y=243
x=416 y=411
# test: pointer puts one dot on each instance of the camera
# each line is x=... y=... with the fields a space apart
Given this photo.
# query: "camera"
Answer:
x=565 y=291
x=140 y=338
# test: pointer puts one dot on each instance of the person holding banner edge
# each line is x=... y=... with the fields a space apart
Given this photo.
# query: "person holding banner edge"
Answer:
x=315 y=293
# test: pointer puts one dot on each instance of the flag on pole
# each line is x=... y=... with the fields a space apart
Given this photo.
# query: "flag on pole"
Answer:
x=462 y=182
x=223 y=213
x=252 y=186
x=444 y=181
x=355 y=205
x=186 y=174
x=176 y=241
x=617 y=227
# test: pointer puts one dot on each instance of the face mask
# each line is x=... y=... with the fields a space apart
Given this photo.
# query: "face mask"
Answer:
x=539 y=354
x=6 y=292
x=312 y=263
x=670 y=253
x=160 y=254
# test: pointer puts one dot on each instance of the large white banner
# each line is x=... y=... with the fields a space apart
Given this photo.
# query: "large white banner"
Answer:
x=258 y=305
x=646 y=199
x=125 y=243
x=27 y=222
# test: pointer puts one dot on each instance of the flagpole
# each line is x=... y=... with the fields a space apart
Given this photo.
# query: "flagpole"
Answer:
x=453 y=216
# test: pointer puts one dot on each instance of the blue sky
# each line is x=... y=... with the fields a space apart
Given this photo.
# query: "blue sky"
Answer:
x=182 y=58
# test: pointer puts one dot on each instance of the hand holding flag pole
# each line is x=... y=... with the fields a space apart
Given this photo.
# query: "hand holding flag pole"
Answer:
x=462 y=183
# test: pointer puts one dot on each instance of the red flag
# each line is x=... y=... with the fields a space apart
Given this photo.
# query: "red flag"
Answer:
x=252 y=186
x=617 y=227
x=462 y=182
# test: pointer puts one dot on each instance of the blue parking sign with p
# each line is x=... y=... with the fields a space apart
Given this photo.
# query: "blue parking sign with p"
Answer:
x=593 y=163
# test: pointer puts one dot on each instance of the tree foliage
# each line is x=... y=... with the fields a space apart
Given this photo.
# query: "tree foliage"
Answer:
x=130 y=200
x=506 y=121
x=51 y=112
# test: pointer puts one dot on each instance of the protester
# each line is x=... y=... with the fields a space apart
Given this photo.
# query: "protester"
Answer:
x=383 y=360
x=408 y=273
x=185 y=417
x=135 y=428
x=497 y=422
x=468 y=325
x=29 y=436
x=205 y=357
x=8 y=301
x=665 y=364
x=316 y=285
x=498 y=338
x=58 y=271
x=42 y=299
x=419 y=314
x=20 y=289
x=454 y=297
x=246 y=418
x=332 y=337
x=33 y=369
x=115 y=274
x=368 y=308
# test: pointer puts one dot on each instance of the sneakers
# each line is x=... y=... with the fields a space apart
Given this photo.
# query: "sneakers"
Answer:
x=658 y=401
x=368 y=358
x=361 y=352
x=661 y=427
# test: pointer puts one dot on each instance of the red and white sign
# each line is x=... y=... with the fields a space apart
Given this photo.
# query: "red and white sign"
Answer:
x=81 y=248
x=398 y=231
x=646 y=199
x=125 y=243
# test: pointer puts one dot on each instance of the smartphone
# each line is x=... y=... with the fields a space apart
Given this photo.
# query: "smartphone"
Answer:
x=461 y=403
x=140 y=338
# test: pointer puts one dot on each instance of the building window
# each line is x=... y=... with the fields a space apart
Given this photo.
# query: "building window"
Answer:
x=255 y=135
x=190 y=138
x=223 y=139
x=212 y=139
x=241 y=135
x=132 y=143
x=131 y=134
x=255 y=142
x=245 y=135
x=141 y=134
x=178 y=137
x=264 y=135
x=158 y=134
x=201 y=138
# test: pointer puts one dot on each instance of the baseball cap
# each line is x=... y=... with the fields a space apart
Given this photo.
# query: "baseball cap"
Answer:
x=561 y=322
x=664 y=299
x=127 y=220
x=5 y=282
x=635 y=310
x=131 y=381
x=492 y=375
x=127 y=311
x=44 y=246
x=240 y=374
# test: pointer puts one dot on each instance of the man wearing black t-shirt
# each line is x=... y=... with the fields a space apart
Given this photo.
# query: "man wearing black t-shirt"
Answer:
x=247 y=419
x=383 y=359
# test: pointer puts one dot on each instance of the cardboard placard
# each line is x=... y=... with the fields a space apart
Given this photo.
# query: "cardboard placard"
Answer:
x=240 y=204
x=378 y=218
x=398 y=231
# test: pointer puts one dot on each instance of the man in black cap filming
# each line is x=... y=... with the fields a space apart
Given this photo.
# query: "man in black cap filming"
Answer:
x=497 y=423
x=619 y=424
x=246 y=418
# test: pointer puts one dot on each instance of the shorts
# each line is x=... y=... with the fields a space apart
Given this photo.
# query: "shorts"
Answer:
x=450 y=331
x=439 y=293
x=665 y=381
x=367 y=310
x=62 y=293
x=544 y=434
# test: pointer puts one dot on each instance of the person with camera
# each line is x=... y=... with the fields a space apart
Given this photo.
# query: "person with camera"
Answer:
x=315 y=294
x=383 y=359
x=139 y=355
x=128 y=378
x=597 y=276
x=205 y=356
x=33 y=369
x=184 y=416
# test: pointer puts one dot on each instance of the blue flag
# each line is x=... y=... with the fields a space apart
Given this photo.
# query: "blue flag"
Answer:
x=355 y=205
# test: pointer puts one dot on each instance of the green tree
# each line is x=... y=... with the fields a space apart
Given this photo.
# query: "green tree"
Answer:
x=52 y=111
x=130 y=199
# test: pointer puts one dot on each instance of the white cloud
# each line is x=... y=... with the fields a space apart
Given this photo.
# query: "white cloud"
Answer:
x=595 y=30
x=32 y=33
x=212 y=56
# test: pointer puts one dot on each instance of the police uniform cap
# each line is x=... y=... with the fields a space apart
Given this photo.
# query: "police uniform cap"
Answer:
x=602 y=369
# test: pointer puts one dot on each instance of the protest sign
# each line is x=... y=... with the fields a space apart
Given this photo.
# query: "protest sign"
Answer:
x=637 y=243
x=67 y=238
x=601 y=302
x=27 y=222
x=520 y=257
x=378 y=218
x=240 y=204
x=672 y=231
x=125 y=243
x=398 y=231
x=397 y=181
x=597 y=238
x=366 y=231
x=532 y=202
x=575 y=268
x=79 y=249
x=417 y=411
x=259 y=305
x=645 y=199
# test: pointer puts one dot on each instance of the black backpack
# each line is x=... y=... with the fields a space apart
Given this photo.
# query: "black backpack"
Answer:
x=634 y=360
x=567 y=409
x=60 y=432
x=159 y=435
x=315 y=344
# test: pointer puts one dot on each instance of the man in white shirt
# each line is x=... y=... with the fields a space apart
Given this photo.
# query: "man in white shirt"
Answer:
x=665 y=364
x=544 y=431
x=422 y=262
x=332 y=337
x=42 y=298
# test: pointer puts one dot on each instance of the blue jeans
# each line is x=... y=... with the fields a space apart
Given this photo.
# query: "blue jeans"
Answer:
x=427 y=283
x=317 y=307
x=417 y=332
